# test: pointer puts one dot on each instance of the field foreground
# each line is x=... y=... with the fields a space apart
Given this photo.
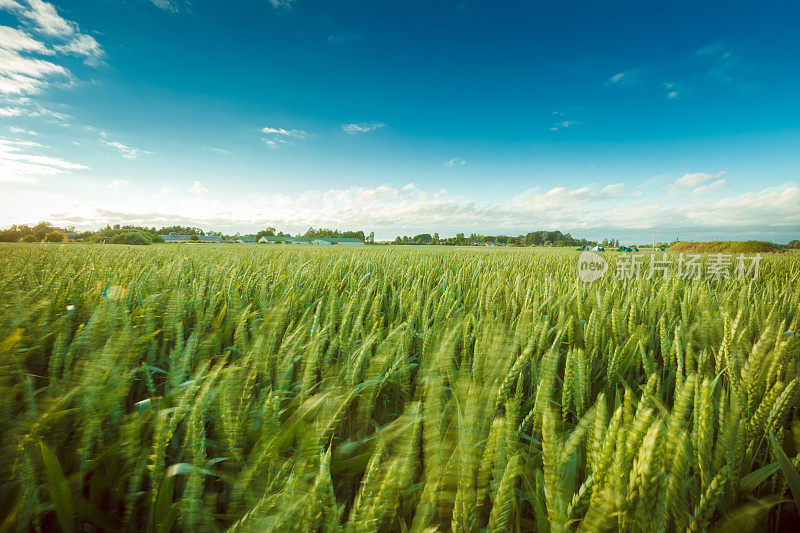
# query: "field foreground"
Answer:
x=317 y=389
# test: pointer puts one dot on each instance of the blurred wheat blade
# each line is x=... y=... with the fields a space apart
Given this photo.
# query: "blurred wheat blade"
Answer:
x=391 y=389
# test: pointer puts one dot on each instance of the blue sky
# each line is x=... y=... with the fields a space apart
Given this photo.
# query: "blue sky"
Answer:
x=602 y=118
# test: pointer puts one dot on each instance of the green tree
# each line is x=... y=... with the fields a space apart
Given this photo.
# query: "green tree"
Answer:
x=131 y=237
x=268 y=232
x=54 y=236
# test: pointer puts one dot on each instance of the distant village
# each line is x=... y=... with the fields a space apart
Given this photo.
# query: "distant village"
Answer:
x=266 y=239
x=117 y=234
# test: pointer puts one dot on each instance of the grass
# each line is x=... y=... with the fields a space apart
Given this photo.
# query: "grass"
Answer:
x=253 y=388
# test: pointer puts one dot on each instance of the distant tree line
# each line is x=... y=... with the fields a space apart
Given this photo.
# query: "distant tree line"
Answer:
x=534 y=238
x=186 y=230
x=321 y=232
x=47 y=232
x=23 y=232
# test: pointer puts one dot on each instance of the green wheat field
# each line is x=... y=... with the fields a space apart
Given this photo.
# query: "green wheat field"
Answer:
x=256 y=388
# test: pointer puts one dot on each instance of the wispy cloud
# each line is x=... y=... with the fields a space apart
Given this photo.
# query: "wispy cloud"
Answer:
x=455 y=162
x=21 y=131
x=563 y=124
x=20 y=164
x=217 y=150
x=616 y=78
x=23 y=74
x=694 y=179
x=282 y=4
x=340 y=38
x=198 y=189
x=275 y=137
x=298 y=134
x=709 y=188
x=672 y=90
x=724 y=64
x=119 y=184
x=127 y=152
x=46 y=19
x=389 y=209
x=166 y=5
x=20 y=106
x=85 y=46
x=18 y=41
x=356 y=128
x=627 y=77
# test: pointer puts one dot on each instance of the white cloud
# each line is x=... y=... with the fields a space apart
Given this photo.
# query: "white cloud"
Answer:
x=24 y=74
x=389 y=210
x=362 y=127
x=21 y=131
x=10 y=5
x=197 y=188
x=775 y=206
x=277 y=136
x=281 y=4
x=166 y=5
x=217 y=150
x=18 y=164
x=613 y=190
x=18 y=41
x=709 y=188
x=11 y=112
x=126 y=151
x=119 y=184
x=563 y=124
x=25 y=107
x=455 y=162
x=694 y=179
x=20 y=74
x=83 y=45
x=299 y=134
x=47 y=20
x=628 y=77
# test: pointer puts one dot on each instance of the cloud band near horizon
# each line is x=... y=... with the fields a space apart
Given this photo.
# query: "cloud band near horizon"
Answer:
x=589 y=211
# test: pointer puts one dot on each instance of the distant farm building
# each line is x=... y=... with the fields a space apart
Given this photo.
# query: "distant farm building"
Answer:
x=247 y=239
x=343 y=241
